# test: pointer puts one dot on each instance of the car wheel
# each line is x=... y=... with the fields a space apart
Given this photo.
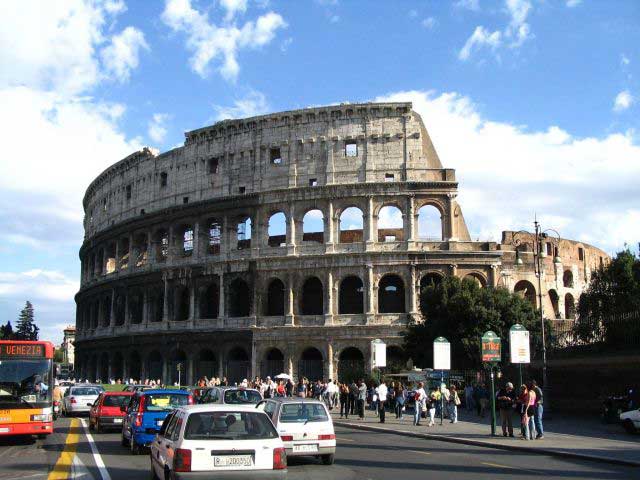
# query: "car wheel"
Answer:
x=629 y=426
x=134 y=446
x=327 y=459
x=124 y=441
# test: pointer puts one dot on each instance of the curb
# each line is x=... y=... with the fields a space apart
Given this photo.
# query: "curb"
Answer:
x=477 y=443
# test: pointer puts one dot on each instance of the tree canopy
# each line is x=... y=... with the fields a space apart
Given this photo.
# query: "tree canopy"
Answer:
x=461 y=311
x=26 y=329
x=6 y=332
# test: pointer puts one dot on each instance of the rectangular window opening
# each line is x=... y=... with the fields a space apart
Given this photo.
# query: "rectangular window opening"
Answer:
x=389 y=177
x=350 y=148
x=313 y=182
x=213 y=165
x=242 y=189
x=389 y=238
x=163 y=179
x=275 y=157
x=128 y=192
x=581 y=254
x=185 y=199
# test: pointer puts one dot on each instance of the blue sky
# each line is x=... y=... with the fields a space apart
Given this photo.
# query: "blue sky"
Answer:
x=534 y=102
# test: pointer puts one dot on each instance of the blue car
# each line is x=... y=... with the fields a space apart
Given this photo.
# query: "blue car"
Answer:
x=146 y=412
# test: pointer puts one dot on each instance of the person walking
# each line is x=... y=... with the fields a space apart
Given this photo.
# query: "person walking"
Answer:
x=353 y=397
x=382 y=392
x=454 y=402
x=527 y=401
x=432 y=400
x=344 y=400
x=468 y=398
x=362 y=396
x=539 y=410
x=420 y=397
x=505 y=399
x=401 y=397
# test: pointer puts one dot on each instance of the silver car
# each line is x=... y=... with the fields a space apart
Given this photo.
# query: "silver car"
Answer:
x=231 y=396
x=80 y=398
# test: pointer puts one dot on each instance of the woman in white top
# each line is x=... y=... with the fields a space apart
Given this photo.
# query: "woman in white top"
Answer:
x=420 y=397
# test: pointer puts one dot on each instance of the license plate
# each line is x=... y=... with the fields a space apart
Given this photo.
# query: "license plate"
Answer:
x=117 y=420
x=4 y=430
x=305 y=448
x=232 y=461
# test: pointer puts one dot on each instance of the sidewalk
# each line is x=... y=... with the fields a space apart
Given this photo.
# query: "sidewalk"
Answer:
x=576 y=437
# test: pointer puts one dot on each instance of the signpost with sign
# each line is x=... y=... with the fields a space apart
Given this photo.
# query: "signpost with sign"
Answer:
x=492 y=354
x=519 y=347
x=378 y=355
x=442 y=362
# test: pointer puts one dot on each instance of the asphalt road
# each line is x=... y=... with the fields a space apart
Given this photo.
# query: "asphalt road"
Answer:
x=360 y=455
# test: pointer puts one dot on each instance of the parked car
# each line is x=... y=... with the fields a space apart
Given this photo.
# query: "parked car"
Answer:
x=137 y=388
x=106 y=412
x=304 y=425
x=80 y=398
x=225 y=441
x=144 y=414
x=631 y=420
x=231 y=396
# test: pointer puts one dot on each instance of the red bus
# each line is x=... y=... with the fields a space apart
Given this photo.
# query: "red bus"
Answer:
x=26 y=388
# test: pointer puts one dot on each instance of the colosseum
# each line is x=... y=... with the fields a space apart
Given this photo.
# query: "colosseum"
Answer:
x=286 y=243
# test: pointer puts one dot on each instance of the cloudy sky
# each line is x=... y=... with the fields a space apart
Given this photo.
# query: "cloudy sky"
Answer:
x=534 y=102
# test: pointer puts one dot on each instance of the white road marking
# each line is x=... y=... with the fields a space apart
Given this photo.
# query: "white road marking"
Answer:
x=96 y=455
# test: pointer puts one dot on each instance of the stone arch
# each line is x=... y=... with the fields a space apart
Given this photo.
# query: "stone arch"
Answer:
x=430 y=224
x=391 y=294
x=351 y=225
x=214 y=235
x=209 y=301
x=161 y=243
x=136 y=306
x=182 y=303
x=238 y=365
x=430 y=278
x=310 y=364
x=312 y=299
x=390 y=224
x=206 y=364
x=178 y=356
x=239 y=299
x=351 y=295
x=569 y=307
x=117 y=367
x=156 y=304
x=106 y=311
x=120 y=308
x=277 y=230
x=313 y=226
x=154 y=366
x=135 y=366
x=567 y=279
x=527 y=291
x=184 y=239
x=272 y=363
x=351 y=365
x=275 y=298
x=477 y=277
x=103 y=374
x=396 y=359
x=243 y=233
x=554 y=300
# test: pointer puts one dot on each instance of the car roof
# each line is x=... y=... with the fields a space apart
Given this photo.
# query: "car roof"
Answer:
x=162 y=390
x=120 y=392
x=295 y=400
x=217 y=407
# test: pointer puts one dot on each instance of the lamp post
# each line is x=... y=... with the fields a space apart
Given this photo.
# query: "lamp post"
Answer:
x=539 y=253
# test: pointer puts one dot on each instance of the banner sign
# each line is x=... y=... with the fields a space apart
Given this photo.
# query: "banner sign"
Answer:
x=441 y=354
x=491 y=347
x=519 y=344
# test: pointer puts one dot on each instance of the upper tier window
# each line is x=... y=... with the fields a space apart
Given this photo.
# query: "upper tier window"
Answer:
x=163 y=179
x=350 y=148
x=274 y=156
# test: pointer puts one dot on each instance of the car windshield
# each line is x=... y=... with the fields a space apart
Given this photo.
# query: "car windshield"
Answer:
x=303 y=412
x=241 y=396
x=116 y=400
x=159 y=402
x=229 y=425
x=89 y=391
x=25 y=383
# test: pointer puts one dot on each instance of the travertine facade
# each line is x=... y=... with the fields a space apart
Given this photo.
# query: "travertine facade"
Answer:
x=182 y=261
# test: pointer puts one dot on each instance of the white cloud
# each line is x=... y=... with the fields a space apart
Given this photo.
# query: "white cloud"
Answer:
x=468 y=4
x=286 y=43
x=233 y=7
x=573 y=3
x=480 y=38
x=157 y=130
x=389 y=217
x=209 y=42
x=38 y=285
x=507 y=173
x=252 y=104
x=122 y=54
x=334 y=18
x=624 y=60
x=623 y=101
x=429 y=22
x=413 y=13
x=518 y=30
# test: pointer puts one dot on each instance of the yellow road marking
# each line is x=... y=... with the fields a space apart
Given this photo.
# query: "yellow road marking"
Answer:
x=63 y=465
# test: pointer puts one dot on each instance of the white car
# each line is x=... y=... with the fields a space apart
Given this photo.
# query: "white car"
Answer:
x=221 y=441
x=304 y=425
x=631 y=420
x=80 y=398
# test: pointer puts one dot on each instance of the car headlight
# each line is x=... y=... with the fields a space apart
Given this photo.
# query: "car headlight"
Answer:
x=42 y=417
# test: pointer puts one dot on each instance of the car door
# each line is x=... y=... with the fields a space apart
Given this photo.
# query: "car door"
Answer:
x=127 y=421
x=169 y=439
x=95 y=409
x=65 y=399
x=158 y=448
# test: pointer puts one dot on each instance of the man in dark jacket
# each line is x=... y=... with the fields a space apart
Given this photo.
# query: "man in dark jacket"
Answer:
x=505 y=399
x=353 y=397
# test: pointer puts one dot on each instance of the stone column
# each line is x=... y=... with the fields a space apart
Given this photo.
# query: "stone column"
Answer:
x=127 y=317
x=328 y=364
x=369 y=288
x=117 y=254
x=132 y=260
x=165 y=371
x=192 y=302
x=451 y=233
x=151 y=254
x=145 y=307
x=220 y=364
x=329 y=228
x=188 y=379
x=369 y=234
x=494 y=275
x=289 y=358
x=328 y=309
x=112 y=313
x=290 y=314
x=165 y=300
x=221 y=303
x=254 y=360
x=196 y=239
x=454 y=269
x=410 y=221
x=291 y=231
x=125 y=369
x=225 y=242
x=413 y=308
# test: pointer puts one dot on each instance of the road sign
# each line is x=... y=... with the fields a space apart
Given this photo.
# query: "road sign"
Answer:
x=519 y=344
x=491 y=347
x=441 y=354
x=378 y=353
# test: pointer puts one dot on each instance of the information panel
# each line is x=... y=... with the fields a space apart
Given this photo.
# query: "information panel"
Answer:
x=519 y=344
x=441 y=354
x=491 y=347
x=11 y=350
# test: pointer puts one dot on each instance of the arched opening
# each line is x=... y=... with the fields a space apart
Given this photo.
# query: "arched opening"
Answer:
x=161 y=243
x=526 y=290
x=390 y=224
x=567 y=279
x=244 y=233
x=273 y=363
x=569 y=307
x=103 y=374
x=214 y=229
x=123 y=261
x=239 y=299
x=351 y=225
x=238 y=365
x=396 y=359
x=182 y=308
x=391 y=294
x=120 y=309
x=209 y=301
x=477 y=278
x=99 y=262
x=310 y=364
x=351 y=296
x=184 y=239
x=313 y=226
x=178 y=360
x=430 y=278
x=277 y=230
x=156 y=305
x=154 y=366
x=140 y=250
x=350 y=365
x=136 y=305
x=430 y=224
x=206 y=365
x=555 y=303
x=93 y=373
x=106 y=311
x=275 y=298
x=110 y=261
x=312 y=297
x=94 y=313
x=135 y=367
x=117 y=363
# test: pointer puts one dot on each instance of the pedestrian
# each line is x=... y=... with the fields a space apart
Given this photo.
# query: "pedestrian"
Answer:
x=362 y=396
x=527 y=400
x=344 y=400
x=382 y=392
x=400 y=397
x=483 y=394
x=505 y=399
x=539 y=410
x=301 y=389
x=468 y=397
x=353 y=397
x=454 y=402
x=373 y=398
x=432 y=400
x=420 y=397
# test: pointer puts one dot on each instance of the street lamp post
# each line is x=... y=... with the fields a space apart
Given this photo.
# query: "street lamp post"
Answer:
x=538 y=255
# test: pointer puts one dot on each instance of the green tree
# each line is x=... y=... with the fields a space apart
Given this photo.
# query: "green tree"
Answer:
x=58 y=355
x=26 y=327
x=6 y=332
x=462 y=311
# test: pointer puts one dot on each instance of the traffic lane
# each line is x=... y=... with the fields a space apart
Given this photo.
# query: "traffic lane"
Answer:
x=376 y=455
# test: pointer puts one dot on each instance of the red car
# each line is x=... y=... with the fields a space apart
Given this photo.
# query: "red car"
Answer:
x=106 y=413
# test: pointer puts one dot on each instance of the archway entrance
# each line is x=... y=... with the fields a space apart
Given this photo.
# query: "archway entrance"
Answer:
x=154 y=366
x=350 y=365
x=273 y=363
x=310 y=364
x=206 y=365
x=238 y=365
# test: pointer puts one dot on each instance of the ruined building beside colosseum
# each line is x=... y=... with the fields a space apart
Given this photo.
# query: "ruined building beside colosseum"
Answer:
x=285 y=243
